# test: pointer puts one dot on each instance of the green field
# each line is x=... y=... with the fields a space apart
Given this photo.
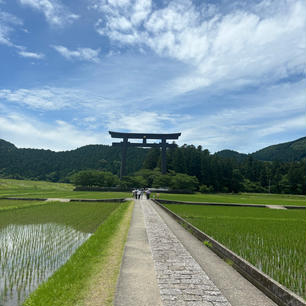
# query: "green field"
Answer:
x=272 y=240
x=95 y=263
x=244 y=198
x=82 y=216
x=12 y=204
x=37 y=189
x=39 y=237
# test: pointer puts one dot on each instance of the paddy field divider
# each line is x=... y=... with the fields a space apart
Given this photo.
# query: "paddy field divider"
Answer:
x=227 y=204
x=274 y=290
x=65 y=199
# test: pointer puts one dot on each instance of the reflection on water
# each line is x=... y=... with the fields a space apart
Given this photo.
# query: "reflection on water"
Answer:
x=29 y=254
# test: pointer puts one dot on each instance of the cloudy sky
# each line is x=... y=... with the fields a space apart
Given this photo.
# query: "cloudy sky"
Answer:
x=227 y=74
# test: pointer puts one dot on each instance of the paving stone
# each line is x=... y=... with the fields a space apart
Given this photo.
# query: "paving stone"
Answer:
x=181 y=280
x=199 y=304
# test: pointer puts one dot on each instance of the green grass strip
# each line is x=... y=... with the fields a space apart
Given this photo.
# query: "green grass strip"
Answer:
x=70 y=284
x=243 y=198
x=19 y=204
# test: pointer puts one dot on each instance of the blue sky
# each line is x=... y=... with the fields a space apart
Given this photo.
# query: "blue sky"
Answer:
x=227 y=74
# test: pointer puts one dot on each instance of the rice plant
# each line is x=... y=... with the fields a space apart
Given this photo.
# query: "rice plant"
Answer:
x=272 y=240
x=29 y=254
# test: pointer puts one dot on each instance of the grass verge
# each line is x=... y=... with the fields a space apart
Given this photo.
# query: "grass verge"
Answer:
x=91 y=273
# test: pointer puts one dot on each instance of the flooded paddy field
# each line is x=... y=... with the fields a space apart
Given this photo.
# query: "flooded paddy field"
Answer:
x=35 y=241
x=272 y=240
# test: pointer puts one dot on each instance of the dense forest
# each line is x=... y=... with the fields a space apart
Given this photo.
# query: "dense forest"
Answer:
x=58 y=166
x=276 y=169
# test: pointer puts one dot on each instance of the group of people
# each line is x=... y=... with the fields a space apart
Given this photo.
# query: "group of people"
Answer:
x=138 y=193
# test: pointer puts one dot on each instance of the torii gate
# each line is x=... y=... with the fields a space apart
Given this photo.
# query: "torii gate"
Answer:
x=144 y=136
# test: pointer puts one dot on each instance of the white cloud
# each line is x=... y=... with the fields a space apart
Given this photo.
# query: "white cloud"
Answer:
x=43 y=99
x=7 y=24
x=17 y=129
x=252 y=44
x=142 y=121
x=297 y=122
x=251 y=125
x=83 y=54
x=56 y=98
x=55 y=12
x=31 y=54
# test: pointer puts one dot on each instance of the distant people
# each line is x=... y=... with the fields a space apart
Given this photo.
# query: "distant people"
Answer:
x=134 y=191
x=148 y=192
x=139 y=194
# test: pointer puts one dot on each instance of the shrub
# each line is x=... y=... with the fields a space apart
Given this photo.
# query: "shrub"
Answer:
x=92 y=178
x=206 y=189
x=184 y=181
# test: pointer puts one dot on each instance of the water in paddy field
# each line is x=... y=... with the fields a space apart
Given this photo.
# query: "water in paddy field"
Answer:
x=29 y=254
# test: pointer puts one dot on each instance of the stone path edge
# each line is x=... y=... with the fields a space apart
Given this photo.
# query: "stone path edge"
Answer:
x=227 y=204
x=278 y=293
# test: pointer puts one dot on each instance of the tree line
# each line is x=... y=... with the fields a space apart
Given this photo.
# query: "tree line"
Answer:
x=219 y=174
x=193 y=166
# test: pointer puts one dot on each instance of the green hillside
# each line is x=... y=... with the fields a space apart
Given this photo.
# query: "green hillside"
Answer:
x=231 y=154
x=55 y=166
x=288 y=151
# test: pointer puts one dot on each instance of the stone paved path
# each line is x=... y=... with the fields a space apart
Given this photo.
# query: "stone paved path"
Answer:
x=180 y=278
x=137 y=284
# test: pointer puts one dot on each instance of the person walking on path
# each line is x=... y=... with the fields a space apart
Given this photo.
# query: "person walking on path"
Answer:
x=148 y=192
x=138 y=194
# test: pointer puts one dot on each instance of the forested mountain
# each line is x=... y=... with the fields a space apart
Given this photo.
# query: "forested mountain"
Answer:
x=288 y=151
x=225 y=171
x=231 y=154
x=285 y=152
x=56 y=166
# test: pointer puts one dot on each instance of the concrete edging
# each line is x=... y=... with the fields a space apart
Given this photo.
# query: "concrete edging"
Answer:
x=99 y=200
x=226 y=204
x=278 y=293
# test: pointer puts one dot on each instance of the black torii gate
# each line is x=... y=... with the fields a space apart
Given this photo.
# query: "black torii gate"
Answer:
x=144 y=136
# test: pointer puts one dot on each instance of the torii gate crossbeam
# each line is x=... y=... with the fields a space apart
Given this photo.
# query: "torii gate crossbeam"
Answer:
x=144 y=136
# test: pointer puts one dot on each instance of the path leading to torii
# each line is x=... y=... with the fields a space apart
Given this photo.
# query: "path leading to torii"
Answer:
x=164 y=264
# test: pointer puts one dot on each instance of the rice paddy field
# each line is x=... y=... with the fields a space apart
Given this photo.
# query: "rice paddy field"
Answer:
x=12 y=204
x=272 y=240
x=40 y=189
x=37 y=238
x=243 y=198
